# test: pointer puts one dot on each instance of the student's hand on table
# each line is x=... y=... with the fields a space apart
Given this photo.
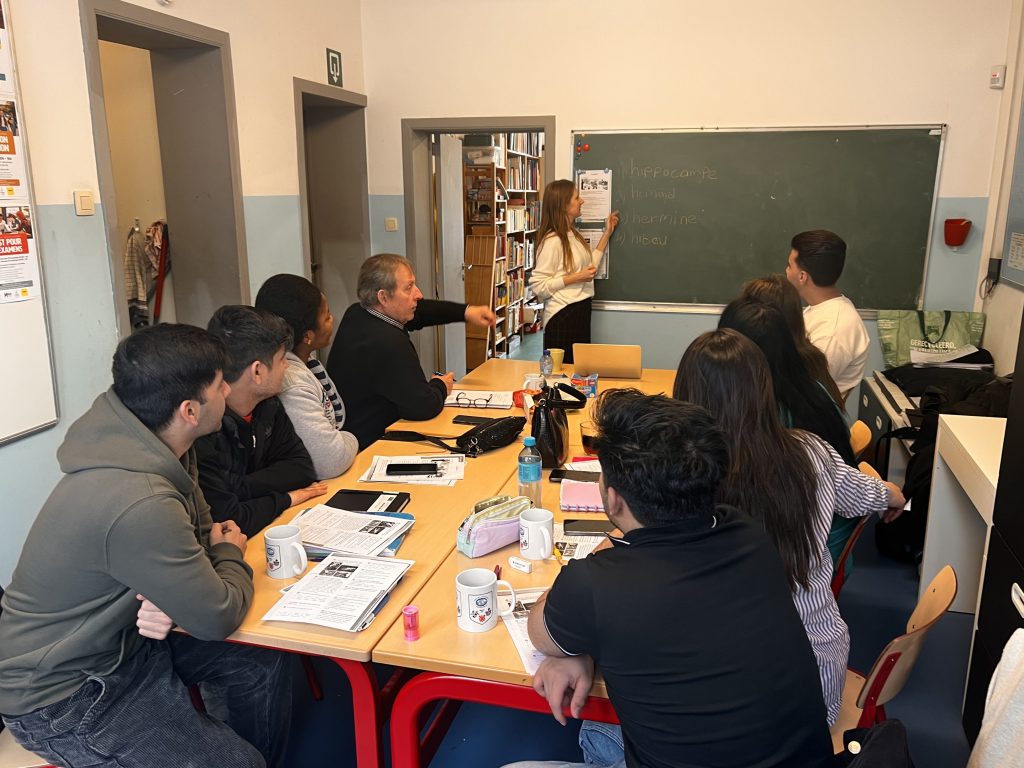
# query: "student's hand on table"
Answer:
x=448 y=379
x=565 y=682
x=304 y=494
x=229 y=532
x=611 y=222
x=585 y=275
x=481 y=315
x=152 y=622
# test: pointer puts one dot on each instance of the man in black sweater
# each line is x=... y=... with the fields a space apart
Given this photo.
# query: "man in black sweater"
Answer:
x=255 y=466
x=373 y=362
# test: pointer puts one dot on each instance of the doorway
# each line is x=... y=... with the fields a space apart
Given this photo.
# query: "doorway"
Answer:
x=333 y=189
x=193 y=97
x=428 y=200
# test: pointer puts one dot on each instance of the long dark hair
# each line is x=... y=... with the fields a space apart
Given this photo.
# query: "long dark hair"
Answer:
x=780 y=293
x=803 y=401
x=554 y=219
x=770 y=476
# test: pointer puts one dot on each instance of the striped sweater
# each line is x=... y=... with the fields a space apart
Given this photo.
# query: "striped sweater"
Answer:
x=846 y=492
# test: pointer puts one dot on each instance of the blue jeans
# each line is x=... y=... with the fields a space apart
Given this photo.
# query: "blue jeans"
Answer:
x=602 y=743
x=141 y=716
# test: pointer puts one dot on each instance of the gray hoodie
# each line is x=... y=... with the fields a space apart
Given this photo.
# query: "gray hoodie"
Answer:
x=126 y=518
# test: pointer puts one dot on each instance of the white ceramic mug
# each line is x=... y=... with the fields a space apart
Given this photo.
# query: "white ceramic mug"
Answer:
x=533 y=382
x=476 y=599
x=536 y=534
x=285 y=556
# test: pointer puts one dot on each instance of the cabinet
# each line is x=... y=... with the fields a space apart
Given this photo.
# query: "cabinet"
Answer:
x=502 y=183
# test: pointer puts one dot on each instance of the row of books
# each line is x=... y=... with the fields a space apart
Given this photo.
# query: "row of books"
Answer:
x=522 y=173
x=528 y=143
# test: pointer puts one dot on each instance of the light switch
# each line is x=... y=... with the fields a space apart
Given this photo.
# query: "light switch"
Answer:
x=84 y=203
x=997 y=76
x=390 y=224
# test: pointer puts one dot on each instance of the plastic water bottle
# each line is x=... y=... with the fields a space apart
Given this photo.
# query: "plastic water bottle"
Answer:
x=547 y=363
x=530 y=470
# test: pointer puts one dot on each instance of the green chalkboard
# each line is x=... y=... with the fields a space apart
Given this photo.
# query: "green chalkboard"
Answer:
x=704 y=211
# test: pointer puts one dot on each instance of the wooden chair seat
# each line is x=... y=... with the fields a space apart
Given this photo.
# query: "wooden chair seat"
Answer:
x=849 y=713
x=12 y=755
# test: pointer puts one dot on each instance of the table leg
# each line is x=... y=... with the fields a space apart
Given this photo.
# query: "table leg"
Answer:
x=367 y=711
x=429 y=687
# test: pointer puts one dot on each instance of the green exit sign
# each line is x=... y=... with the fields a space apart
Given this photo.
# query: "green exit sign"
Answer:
x=333 y=67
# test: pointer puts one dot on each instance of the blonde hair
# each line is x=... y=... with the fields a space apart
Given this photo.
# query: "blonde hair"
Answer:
x=554 y=219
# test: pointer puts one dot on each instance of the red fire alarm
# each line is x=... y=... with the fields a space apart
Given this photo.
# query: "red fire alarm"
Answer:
x=956 y=231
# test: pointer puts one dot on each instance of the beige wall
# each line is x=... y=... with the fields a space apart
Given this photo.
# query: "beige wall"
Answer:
x=271 y=42
x=685 y=63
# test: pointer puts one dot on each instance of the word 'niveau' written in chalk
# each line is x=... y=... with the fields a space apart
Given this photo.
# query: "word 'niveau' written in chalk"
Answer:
x=704 y=173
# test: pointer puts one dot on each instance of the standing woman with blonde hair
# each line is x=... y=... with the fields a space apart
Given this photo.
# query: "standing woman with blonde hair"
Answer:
x=563 y=275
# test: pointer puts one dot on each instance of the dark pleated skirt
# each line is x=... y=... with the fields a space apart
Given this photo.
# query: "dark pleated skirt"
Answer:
x=569 y=325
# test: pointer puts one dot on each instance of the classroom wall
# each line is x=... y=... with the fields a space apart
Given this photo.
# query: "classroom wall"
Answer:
x=270 y=45
x=685 y=63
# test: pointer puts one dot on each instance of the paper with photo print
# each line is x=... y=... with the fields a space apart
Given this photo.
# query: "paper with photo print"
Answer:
x=338 y=530
x=342 y=592
x=13 y=181
x=19 y=259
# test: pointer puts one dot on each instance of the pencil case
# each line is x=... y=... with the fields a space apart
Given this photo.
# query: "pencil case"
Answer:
x=493 y=524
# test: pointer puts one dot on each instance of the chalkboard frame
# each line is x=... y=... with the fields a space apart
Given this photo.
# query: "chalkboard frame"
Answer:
x=868 y=313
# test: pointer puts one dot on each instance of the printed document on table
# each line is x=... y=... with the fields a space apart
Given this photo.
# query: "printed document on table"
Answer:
x=483 y=398
x=574 y=547
x=450 y=468
x=338 y=530
x=516 y=624
x=341 y=592
x=595 y=187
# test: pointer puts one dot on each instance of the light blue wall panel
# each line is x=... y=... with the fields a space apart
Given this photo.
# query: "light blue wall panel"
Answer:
x=952 y=279
x=83 y=335
x=273 y=237
x=381 y=207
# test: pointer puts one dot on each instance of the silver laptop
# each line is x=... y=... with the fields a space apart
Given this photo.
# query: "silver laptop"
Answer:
x=615 y=361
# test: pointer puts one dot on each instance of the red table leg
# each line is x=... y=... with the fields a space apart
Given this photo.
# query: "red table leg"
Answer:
x=367 y=712
x=429 y=687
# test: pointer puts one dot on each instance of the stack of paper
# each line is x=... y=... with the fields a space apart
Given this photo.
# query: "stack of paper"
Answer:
x=343 y=592
x=326 y=530
x=574 y=547
x=450 y=468
x=483 y=398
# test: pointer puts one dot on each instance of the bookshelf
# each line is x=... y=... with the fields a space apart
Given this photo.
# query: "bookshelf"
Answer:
x=502 y=183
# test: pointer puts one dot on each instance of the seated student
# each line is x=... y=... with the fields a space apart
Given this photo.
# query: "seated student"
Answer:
x=777 y=291
x=803 y=403
x=374 y=363
x=790 y=481
x=78 y=684
x=308 y=395
x=688 y=615
x=816 y=261
x=255 y=466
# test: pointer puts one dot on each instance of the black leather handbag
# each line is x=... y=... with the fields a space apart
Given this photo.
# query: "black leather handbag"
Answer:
x=550 y=425
x=493 y=433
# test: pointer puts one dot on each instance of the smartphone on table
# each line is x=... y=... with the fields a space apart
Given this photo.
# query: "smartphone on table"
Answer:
x=580 y=527
x=429 y=468
x=558 y=475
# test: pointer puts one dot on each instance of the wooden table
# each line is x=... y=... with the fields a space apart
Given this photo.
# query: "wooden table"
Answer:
x=508 y=375
x=464 y=666
x=438 y=511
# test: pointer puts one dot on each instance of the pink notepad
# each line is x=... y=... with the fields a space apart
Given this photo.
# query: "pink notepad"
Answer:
x=580 y=497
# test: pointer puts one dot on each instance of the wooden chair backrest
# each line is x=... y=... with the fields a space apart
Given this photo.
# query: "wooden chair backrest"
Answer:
x=860 y=437
x=897 y=660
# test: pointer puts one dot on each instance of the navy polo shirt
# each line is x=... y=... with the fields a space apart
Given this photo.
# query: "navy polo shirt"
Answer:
x=706 y=660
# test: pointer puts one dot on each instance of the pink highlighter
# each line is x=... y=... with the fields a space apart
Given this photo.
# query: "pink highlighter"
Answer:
x=411 y=622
